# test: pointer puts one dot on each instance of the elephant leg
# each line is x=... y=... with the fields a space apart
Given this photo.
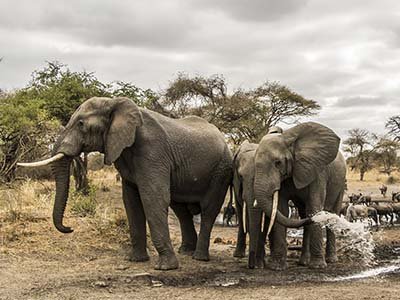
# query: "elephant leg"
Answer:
x=189 y=235
x=210 y=208
x=260 y=254
x=304 y=259
x=278 y=243
x=240 y=249
x=255 y=234
x=137 y=222
x=156 y=200
x=331 y=256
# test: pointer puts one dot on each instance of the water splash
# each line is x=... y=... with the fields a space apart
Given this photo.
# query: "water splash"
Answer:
x=357 y=241
x=393 y=268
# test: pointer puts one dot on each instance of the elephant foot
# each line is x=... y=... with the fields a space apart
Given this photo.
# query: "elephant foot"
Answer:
x=186 y=249
x=136 y=257
x=277 y=264
x=304 y=260
x=259 y=263
x=317 y=263
x=203 y=256
x=239 y=253
x=256 y=262
x=332 y=259
x=167 y=262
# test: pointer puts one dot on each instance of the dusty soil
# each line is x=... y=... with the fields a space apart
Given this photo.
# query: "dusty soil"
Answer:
x=37 y=262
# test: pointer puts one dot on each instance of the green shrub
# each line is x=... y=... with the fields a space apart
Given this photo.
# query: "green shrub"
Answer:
x=391 y=180
x=84 y=205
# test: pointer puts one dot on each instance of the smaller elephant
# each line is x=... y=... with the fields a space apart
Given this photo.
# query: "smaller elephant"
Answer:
x=249 y=218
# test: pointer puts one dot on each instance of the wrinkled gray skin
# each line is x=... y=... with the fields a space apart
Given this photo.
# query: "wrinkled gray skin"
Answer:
x=163 y=162
x=243 y=180
x=304 y=165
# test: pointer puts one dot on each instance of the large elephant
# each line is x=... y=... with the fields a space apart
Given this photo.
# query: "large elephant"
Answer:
x=250 y=217
x=302 y=164
x=182 y=163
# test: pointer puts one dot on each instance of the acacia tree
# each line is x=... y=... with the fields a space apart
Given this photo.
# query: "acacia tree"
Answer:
x=393 y=126
x=359 y=145
x=241 y=114
x=54 y=93
x=386 y=154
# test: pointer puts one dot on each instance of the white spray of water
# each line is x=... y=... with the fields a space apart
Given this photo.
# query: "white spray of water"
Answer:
x=370 y=273
x=356 y=239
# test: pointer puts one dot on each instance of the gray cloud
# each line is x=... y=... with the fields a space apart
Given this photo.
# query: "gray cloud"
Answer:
x=345 y=55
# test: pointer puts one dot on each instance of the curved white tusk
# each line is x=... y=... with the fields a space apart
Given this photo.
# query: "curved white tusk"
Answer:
x=42 y=162
x=273 y=212
x=262 y=222
x=244 y=218
x=255 y=203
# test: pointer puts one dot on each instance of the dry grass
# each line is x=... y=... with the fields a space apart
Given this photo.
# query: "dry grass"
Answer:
x=26 y=210
x=371 y=183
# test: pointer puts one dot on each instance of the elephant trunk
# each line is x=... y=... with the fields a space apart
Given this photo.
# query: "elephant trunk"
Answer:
x=266 y=203
x=255 y=216
x=61 y=171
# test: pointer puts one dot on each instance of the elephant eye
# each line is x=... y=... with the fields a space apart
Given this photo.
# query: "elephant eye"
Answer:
x=278 y=163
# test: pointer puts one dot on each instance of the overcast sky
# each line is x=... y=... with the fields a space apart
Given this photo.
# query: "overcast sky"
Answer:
x=343 y=54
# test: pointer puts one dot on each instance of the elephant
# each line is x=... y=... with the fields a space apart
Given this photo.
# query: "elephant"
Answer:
x=182 y=163
x=302 y=164
x=249 y=218
x=360 y=212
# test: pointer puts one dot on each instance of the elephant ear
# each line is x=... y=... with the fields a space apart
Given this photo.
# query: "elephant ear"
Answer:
x=125 y=117
x=313 y=147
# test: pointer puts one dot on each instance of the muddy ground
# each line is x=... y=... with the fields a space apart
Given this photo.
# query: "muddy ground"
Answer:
x=37 y=262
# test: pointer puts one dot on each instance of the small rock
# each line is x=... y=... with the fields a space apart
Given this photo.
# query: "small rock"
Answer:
x=156 y=283
x=101 y=284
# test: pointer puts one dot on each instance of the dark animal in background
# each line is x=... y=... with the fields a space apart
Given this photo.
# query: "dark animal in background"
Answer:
x=360 y=199
x=396 y=196
x=360 y=212
x=384 y=210
x=229 y=212
x=365 y=199
x=383 y=189
x=354 y=197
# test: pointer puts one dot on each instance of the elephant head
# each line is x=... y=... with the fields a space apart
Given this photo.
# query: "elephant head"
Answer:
x=99 y=124
x=244 y=171
x=299 y=153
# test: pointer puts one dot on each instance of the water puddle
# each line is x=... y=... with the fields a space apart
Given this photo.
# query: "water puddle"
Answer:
x=355 y=238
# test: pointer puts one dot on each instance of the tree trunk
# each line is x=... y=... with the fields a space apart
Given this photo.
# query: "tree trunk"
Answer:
x=80 y=174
